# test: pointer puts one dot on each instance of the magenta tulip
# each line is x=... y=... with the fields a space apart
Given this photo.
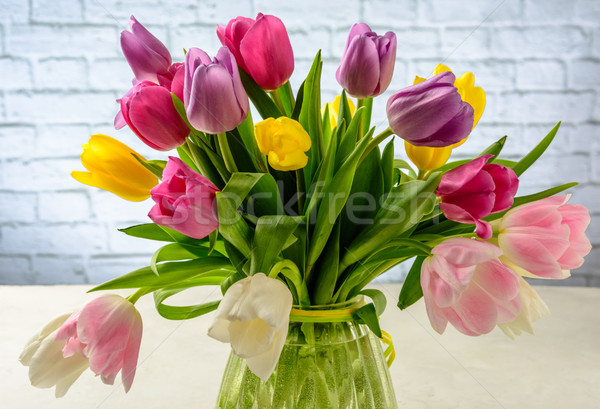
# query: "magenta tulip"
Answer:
x=174 y=79
x=475 y=190
x=146 y=55
x=214 y=97
x=465 y=284
x=545 y=238
x=430 y=113
x=367 y=63
x=185 y=201
x=149 y=111
x=261 y=47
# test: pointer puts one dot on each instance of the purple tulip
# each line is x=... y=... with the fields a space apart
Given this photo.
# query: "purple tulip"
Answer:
x=214 y=97
x=146 y=55
x=368 y=62
x=430 y=113
x=149 y=111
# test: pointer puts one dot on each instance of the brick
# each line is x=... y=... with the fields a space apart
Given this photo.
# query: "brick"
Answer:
x=416 y=42
x=541 y=75
x=490 y=74
x=120 y=243
x=334 y=13
x=15 y=270
x=306 y=42
x=545 y=106
x=61 y=73
x=44 y=175
x=220 y=12
x=59 y=270
x=390 y=12
x=596 y=42
x=117 y=212
x=71 y=239
x=551 y=171
x=528 y=42
x=107 y=267
x=562 y=143
x=15 y=73
x=485 y=134
x=16 y=141
x=64 y=41
x=471 y=11
x=56 y=11
x=548 y=11
x=112 y=74
x=148 y=13
x=61 y=140
x=64 y=207
x=587 y=10
x=187 y=36
x=59 y=107
x=585 y=138
x=15 y=11
x=584 y=74
x=465 y=42
x=17 y=207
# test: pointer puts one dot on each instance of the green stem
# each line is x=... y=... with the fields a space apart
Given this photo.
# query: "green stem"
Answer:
x=277 y=100
x=226 y=152
x=301 y=190
x=376 y=141
x=138 y=294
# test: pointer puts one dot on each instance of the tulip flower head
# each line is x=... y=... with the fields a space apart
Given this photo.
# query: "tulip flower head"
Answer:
x=149 y=111
x=105 y=335
x=112 y=166
x=430 y=113
x=254 y=318
x=465 y=284
x=284 y=141
x=475 y=190
x=532 y=309
x=146 y=55
x=185 y=201
x=261 y=47
x=334 y=108
x=215 y=99
x=368 y=62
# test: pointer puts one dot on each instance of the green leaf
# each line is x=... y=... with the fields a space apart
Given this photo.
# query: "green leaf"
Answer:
x=246 y=131
x=495 y=148
x=347 y=143
x=367 y=315
x=411 y=289
x=323 y=283
x=536 y=152
x=148 y=231
x=156 y=167
x=387 y=166
x=176 y=252
x=310 y=114
x=325 y=173
x=400 y=248
x=185 y=312
x=261 y=100
x=378 y=298
x=366 y=120
x=270 y=236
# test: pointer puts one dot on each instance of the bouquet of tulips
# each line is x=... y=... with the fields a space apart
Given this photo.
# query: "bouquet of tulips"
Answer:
x=304 y=206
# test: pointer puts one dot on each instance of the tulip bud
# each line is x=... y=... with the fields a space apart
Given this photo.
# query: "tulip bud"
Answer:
x=174 y=79
x=284 y=141
x=430 y=113
x=334 y=108
x=146 y=55
x=185 y=201
x=149 y=111
x=215 y=99
x=261 y=48
x=368 y=62
x=113 y=167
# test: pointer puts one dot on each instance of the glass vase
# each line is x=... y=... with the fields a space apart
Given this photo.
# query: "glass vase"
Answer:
x=323 y=365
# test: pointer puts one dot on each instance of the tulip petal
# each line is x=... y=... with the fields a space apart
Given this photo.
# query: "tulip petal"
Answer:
x=359 y=71
x=264 y=364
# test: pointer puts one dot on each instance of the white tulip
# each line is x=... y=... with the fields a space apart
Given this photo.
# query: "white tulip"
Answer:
x=254 y=318
x=532 y=309
x=47 y=366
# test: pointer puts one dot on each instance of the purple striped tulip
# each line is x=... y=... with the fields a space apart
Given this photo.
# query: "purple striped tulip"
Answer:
x=367 y=63
x=214 y=97
x=430 y=113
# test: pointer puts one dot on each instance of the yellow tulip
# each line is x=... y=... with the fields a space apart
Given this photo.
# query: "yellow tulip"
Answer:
x=112 y=167
x=426 y=158
x=334 y=109
x=284 y=141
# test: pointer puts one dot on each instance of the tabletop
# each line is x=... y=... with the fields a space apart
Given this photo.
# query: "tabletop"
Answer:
x=181 y=367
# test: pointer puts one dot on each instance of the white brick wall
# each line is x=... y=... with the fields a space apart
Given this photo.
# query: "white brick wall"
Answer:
x=61 y=70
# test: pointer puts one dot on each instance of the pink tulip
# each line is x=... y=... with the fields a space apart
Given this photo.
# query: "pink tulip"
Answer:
x=545 y=238
x=368 y=62
x=214 y=98
x=149 y=111
x=173 y=80
x=185 y=201
x=465 y=284
x=475 y=190
x=261 y=48
x=146 y=55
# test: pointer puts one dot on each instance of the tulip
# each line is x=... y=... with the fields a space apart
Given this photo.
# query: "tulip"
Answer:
x=334 y=108
x=174 y=79
x=254 y=318
x=475 y=190
x=214 y=97
x=261 y=48
x=104 y=335
x=367 y=63
x=284 y=141
x=113 y=167
x=185 y=201
x=545 y=238
x=149 y=111
x=532 y=309
x=430 y=113
x=146 y=55
x=465 y=284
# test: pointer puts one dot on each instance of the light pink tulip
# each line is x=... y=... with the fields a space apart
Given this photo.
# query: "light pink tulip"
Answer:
x=464 y=283
x=475 y=190
x=545 y=238
x=185 y=201
x=108 y=332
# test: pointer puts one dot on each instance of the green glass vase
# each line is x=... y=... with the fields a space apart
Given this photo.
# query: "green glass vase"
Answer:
x=323 y=365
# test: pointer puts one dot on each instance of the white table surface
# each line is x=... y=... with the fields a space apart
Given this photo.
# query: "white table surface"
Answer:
x=180 y=367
